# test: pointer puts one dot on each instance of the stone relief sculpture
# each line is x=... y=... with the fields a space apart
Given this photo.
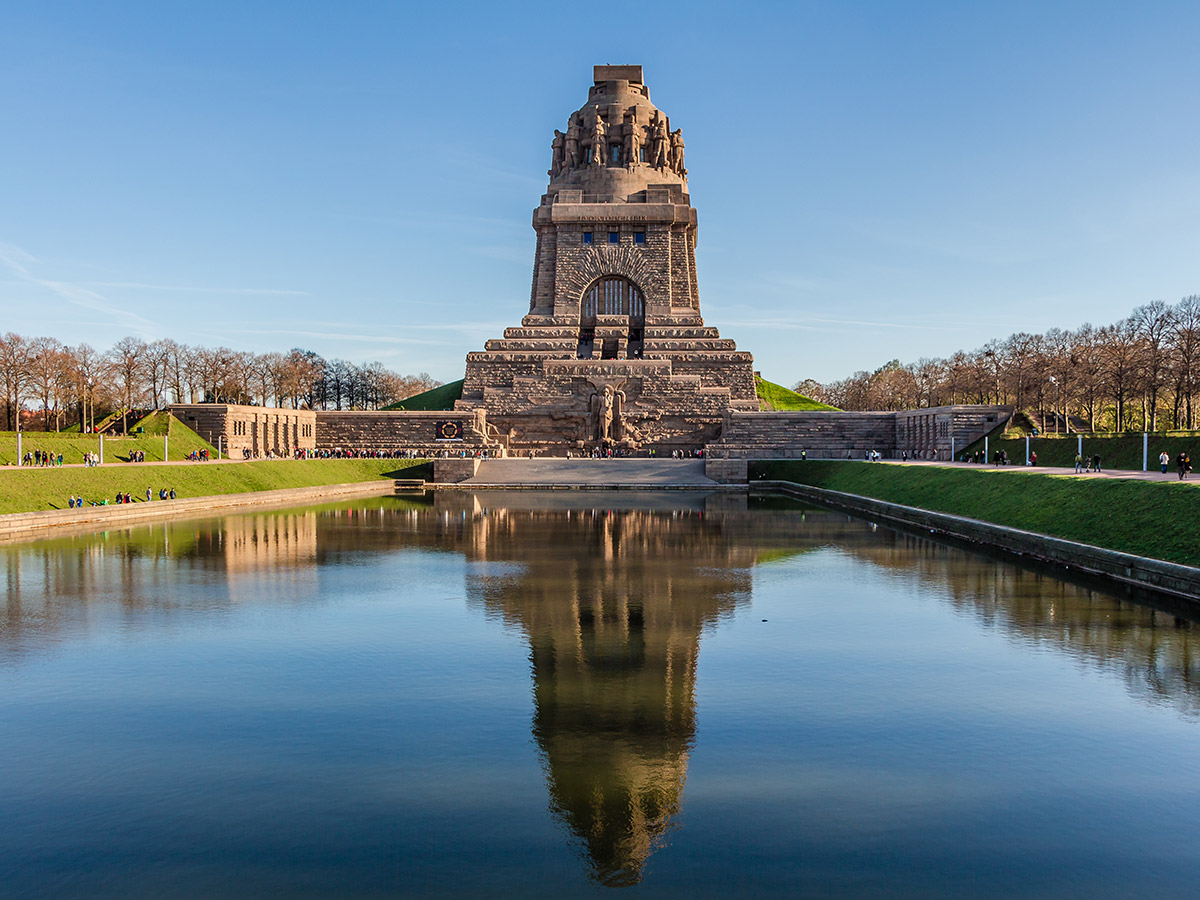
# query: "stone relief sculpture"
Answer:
x=633 y=142
x=605 y=406
x=558 y=162
x=677 y=152
x=660 y=144
x=598 y=140
x=571 y=143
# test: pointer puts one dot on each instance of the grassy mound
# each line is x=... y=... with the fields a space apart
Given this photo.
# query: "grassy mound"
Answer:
x=72 y=445
x=776 y=397
x=28 y=490
x=1154 y=519
x=439 y=398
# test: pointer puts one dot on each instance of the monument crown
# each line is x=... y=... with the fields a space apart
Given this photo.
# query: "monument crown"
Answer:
x=631 y=74
x=618 y=144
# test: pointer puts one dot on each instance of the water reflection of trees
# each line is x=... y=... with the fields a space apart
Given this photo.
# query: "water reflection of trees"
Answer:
x=1156 y=652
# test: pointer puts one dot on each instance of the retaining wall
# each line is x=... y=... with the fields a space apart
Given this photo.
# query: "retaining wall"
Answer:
x=1140 y=571
x=32 y=525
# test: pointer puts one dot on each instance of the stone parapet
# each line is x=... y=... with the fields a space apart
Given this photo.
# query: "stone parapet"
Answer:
x=429 y=432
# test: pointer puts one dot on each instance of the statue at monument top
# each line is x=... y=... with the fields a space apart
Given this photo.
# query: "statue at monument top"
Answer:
x=618 y=144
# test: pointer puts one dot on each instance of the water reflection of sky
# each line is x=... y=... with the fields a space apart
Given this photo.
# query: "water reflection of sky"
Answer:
x=490 y=693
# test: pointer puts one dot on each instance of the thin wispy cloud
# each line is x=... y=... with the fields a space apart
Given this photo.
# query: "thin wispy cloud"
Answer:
x=22 y=264
x=196 y=288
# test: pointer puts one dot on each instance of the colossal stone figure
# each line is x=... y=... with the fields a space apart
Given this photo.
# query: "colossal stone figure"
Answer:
x=661 y=145
x=571 y=147
x=677 y=153
x=607 y=414
x=633 y=142
x=557 y=162
x=598 y=141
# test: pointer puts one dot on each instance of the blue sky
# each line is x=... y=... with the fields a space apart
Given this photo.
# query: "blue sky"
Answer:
x=873 y=179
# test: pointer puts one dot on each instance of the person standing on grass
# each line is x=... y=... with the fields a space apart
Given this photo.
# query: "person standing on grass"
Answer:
x=1164 y=461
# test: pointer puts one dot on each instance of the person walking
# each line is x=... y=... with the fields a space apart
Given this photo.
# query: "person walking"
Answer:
x=1033 y=458
x=1096 y=462
x=1164 y=461
x=1078 y=463
x=1183 y=463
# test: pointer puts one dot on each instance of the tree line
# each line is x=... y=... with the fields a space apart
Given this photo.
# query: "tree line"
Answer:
x=1141 y=373
x=60 y=386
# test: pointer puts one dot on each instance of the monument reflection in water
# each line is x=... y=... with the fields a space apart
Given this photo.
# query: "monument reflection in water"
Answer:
x=613 y=600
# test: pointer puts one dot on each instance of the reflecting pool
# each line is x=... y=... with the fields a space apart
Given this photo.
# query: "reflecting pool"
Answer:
x=512 y=695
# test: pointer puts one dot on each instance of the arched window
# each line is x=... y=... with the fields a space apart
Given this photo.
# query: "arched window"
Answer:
x=612 y=295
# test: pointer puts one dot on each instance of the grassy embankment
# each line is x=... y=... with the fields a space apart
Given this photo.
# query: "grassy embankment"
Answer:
x=442 y=397
x=72 y=445
x=28 y=490
x=773 y=396
x=1154 y=519
x=770 y=395
x=1121 y=451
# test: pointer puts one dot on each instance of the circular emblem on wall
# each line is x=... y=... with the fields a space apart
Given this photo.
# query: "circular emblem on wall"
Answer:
x=449 y=430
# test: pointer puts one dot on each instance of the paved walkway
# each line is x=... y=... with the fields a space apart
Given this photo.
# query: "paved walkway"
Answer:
x=1126 y=474
x=577 y=472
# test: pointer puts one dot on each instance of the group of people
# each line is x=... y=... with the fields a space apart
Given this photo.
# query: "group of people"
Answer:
x=198 y=456
x=41 y=458
x=74 y=502
x=137 y=455
x=1087 y=463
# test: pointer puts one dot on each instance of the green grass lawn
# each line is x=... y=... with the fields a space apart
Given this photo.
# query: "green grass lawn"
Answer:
x=777 y=397
x=438 y=398
x=27 y=490
x=73 y=445
x=1156 y=519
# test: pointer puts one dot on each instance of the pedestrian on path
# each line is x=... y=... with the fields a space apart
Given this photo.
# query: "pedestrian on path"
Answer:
x=1164 y=461
x=1078 y=464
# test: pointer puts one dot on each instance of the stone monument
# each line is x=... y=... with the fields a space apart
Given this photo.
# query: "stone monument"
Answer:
x=613 y=353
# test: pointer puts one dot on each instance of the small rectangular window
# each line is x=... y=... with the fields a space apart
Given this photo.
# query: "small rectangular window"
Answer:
x=587 y=237
x=614 y=237
x=639 y=237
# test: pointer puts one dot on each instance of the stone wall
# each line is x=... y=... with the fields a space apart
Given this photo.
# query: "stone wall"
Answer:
x=257 y=430
x=424 y=432
x=922 y=433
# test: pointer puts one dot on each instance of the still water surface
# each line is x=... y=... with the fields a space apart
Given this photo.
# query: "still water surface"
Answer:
x=514 y=695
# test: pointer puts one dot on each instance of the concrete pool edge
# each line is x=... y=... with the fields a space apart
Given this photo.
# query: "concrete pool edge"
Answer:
x=1138 y=571
x=15 y=527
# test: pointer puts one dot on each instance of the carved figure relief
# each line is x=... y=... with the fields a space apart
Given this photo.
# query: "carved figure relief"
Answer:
x=633 y=142
x=571 y=143
x=660 y=144
x=605 y=406
x=558 y=162
x=677 y=152
x=598 y=140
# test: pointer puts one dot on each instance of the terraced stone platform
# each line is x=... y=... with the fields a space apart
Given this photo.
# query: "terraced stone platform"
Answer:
x=593 y=473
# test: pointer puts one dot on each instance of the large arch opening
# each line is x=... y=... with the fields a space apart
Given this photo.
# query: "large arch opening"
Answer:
x=611 y=295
